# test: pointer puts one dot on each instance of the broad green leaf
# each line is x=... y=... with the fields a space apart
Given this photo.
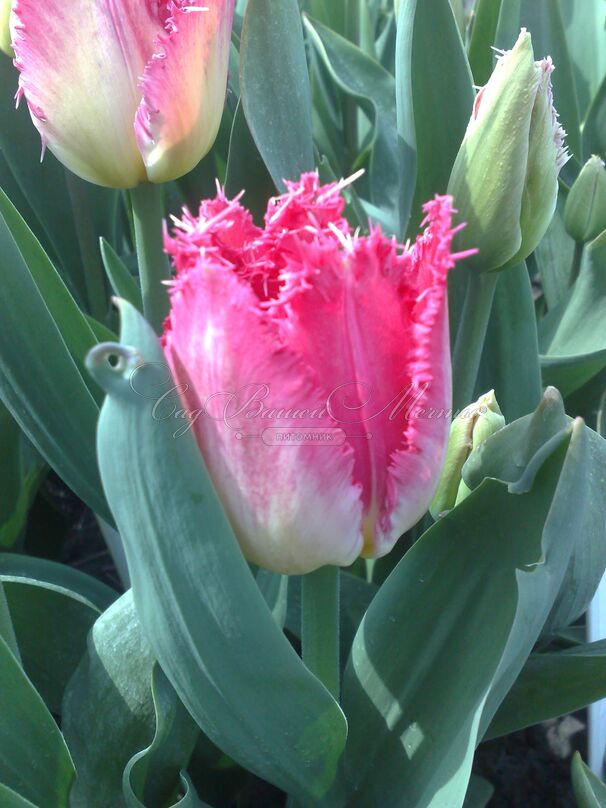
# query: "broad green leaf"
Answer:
x=506 y=455
x=51 y=625
x=331 y=13
x=108 y=713
x=361 y=77
x=553 y=258
x=589 y=790
x=483 y=35
x=122 y=282
x=153 y=775
x=406 y=164
x=415 y=715
x=585 y=26
x=275 y=87
x=21 y=470
x=9 y=799
x=75 y=330
x=441 y=108
x=571 y=337
x=550 y=685
x=274 y=588
x=246 y=170
x=42 y=184
x=594 y=130
x=543 y=19
x=7 y=631
x=45 y=571
x=34 y=761
x=510 y=361
x=210 y=628
x=40 y=382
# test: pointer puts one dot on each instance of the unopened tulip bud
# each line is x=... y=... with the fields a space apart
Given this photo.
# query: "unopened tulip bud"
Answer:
x=505 y=177
x=5 y=34
x=128 y=91
x=585 y=213
x=469 y=430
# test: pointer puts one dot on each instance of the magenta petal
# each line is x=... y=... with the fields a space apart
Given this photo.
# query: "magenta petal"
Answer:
x=294 y=507
x=80 y=63
x=184 y=88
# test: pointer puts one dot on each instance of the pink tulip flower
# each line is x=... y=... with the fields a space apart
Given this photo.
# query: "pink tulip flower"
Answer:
x=313 y=365
x=124 y=91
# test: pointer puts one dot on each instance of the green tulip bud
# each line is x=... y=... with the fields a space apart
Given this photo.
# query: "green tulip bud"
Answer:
x=470 y=429
x=5 y=34
x=505 y=177
x=585 y=212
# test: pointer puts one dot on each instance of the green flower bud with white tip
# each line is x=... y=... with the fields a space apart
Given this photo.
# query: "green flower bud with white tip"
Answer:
x=470 y=429
x=505 y=177
x=5 y=34
x=585 y=212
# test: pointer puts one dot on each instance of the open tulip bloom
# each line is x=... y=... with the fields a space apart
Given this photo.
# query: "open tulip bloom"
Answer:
x=319 y=359
x=136 y=91
x=342 y=438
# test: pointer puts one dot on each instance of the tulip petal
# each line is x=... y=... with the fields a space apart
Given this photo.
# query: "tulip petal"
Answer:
x=373 y=323
x=184 y=88
x=80 y=63
x=293 y=507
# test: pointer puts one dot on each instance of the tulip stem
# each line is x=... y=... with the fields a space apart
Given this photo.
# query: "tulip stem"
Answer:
x=148 y=212
x=320 y=625
x=471 y=335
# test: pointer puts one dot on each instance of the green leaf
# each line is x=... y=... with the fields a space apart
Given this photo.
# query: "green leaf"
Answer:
x=152 y=776
x=122 y=282
x=483 y=35
x=550 y=685
x=553 y=258
x=34 y=761
x=45 y=571
x=51 y=625
x=40 y=382
x=507 y=454
x=209 y=625
x=9 y=799
x=7 y=632
x=275 y=88
x=594 y=130
x=571 y=336
x=108 y=713
x=364 y=79
x=42 y=184
x=415 y=716
x=589 y=790
x=543 y=19
x=21 y=469
x=441 y=108
x=406 y=165
x=75 y=330
x=585 y=23
x=512 y=333
x=246 y=170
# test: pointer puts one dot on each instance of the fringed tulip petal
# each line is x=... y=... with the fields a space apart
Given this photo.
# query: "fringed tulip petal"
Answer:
x=80 y=80
x=229 y=363
x=184 y=88
x=114 y=86
x=343 y=333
